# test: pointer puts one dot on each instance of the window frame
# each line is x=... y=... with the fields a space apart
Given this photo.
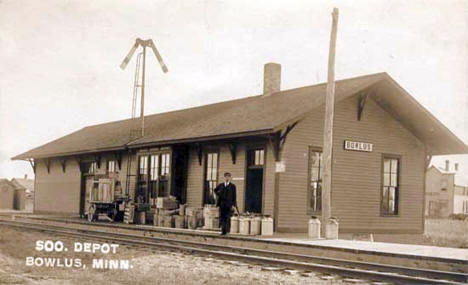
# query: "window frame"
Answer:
x=397 y=188
x=311 y=149
x=108 y=162
x=205 y=171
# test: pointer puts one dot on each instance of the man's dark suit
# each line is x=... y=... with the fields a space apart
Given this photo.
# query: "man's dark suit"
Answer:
x=226 y=199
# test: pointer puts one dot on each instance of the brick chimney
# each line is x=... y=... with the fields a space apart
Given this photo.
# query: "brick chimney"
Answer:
x=447 y=165
x=271 y=78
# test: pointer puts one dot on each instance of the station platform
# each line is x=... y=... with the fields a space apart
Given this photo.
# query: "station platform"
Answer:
x=421 y=256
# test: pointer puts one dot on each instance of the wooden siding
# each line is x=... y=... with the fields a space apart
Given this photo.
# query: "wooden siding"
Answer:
x=57 y=192
x=7 y=193
x=194 y=180
x=195 y=173
x=356 y=185
x=269 y=182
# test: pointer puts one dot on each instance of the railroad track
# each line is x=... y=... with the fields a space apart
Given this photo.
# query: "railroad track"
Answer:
x=344 y=268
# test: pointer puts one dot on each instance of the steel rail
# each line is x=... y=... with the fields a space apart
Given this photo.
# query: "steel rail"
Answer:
x=341 y=267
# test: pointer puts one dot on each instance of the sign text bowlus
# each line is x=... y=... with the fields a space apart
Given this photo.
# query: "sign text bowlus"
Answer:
x=358 y=146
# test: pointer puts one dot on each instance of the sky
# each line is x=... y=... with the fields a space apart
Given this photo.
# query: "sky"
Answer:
x=59 y=60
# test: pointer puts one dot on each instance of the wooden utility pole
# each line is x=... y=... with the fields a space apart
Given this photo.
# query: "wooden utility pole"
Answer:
x=328 y=127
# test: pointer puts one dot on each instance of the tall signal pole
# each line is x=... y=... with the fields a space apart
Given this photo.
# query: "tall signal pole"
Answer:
x=328 y=127
x=144 y=44
x=142 y=107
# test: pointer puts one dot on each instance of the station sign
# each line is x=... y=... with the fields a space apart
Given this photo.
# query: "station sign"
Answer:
x=358 y=146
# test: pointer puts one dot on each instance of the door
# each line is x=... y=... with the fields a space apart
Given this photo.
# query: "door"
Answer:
x=254 y=180
x=87 y=183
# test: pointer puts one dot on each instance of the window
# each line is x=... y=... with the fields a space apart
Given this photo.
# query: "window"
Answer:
x=165 y=164
x=143 y=169
x=154 y=167
x=111 y=166
x=257 y=157
x=315 y=180
x=433 y=208
x=390 y=186
x=211 y=173
x=465 y=207
x=444 y=184
x=92 y=168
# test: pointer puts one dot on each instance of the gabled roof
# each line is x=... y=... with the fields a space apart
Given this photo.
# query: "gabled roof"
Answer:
x=459 y=178
x=253 y=115
x=24 y=183
x=14 y=185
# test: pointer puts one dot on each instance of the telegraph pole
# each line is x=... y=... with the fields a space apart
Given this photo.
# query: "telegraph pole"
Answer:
x=328 y=127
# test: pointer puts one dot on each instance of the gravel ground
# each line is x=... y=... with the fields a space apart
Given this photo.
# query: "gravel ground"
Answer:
x=149 y=267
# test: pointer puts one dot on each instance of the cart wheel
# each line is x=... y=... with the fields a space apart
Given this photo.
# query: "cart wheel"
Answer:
x=113 y=214
x=91 y=213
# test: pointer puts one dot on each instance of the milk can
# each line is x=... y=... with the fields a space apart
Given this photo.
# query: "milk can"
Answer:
x=142 y=217
x=314 y=227
x=332 y=229
x=234 y=225
x=244 y=225
x=255 y=226
x=267 y=226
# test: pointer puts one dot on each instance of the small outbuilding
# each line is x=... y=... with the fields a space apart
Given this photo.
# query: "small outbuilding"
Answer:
x=12 y=195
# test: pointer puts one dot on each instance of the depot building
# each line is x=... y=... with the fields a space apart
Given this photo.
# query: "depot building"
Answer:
x=272 y=145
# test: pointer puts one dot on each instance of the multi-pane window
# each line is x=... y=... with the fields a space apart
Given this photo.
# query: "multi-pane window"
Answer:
x=315 y=180
x=211 y=176
x=143 y=167
x=465 y=207
x=92 y=168
x=259 y=157
x=256 y=157
x=154 y=167
x=165 y=164
x=390 y=186
x=111 y=166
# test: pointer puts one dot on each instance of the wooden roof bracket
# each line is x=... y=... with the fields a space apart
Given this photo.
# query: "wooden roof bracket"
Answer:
x=47 y=162
x=233 y=150
x=33 y=165
x=118 y=158
x=63 y=162
x=278 y=140
x=428 y=158
x=80 y=163
x=363 y=99
x=362 y=103
x=98 y=158
x=199 y=149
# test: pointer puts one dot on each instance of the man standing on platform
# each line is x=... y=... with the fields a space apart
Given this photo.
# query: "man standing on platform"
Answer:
x=227 y=202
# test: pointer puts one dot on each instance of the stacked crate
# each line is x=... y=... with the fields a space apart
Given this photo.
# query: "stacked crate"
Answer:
x=166 y=208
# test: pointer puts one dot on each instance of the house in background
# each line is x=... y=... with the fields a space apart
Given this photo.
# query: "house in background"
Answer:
x=26 y=183
x=446 y=191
